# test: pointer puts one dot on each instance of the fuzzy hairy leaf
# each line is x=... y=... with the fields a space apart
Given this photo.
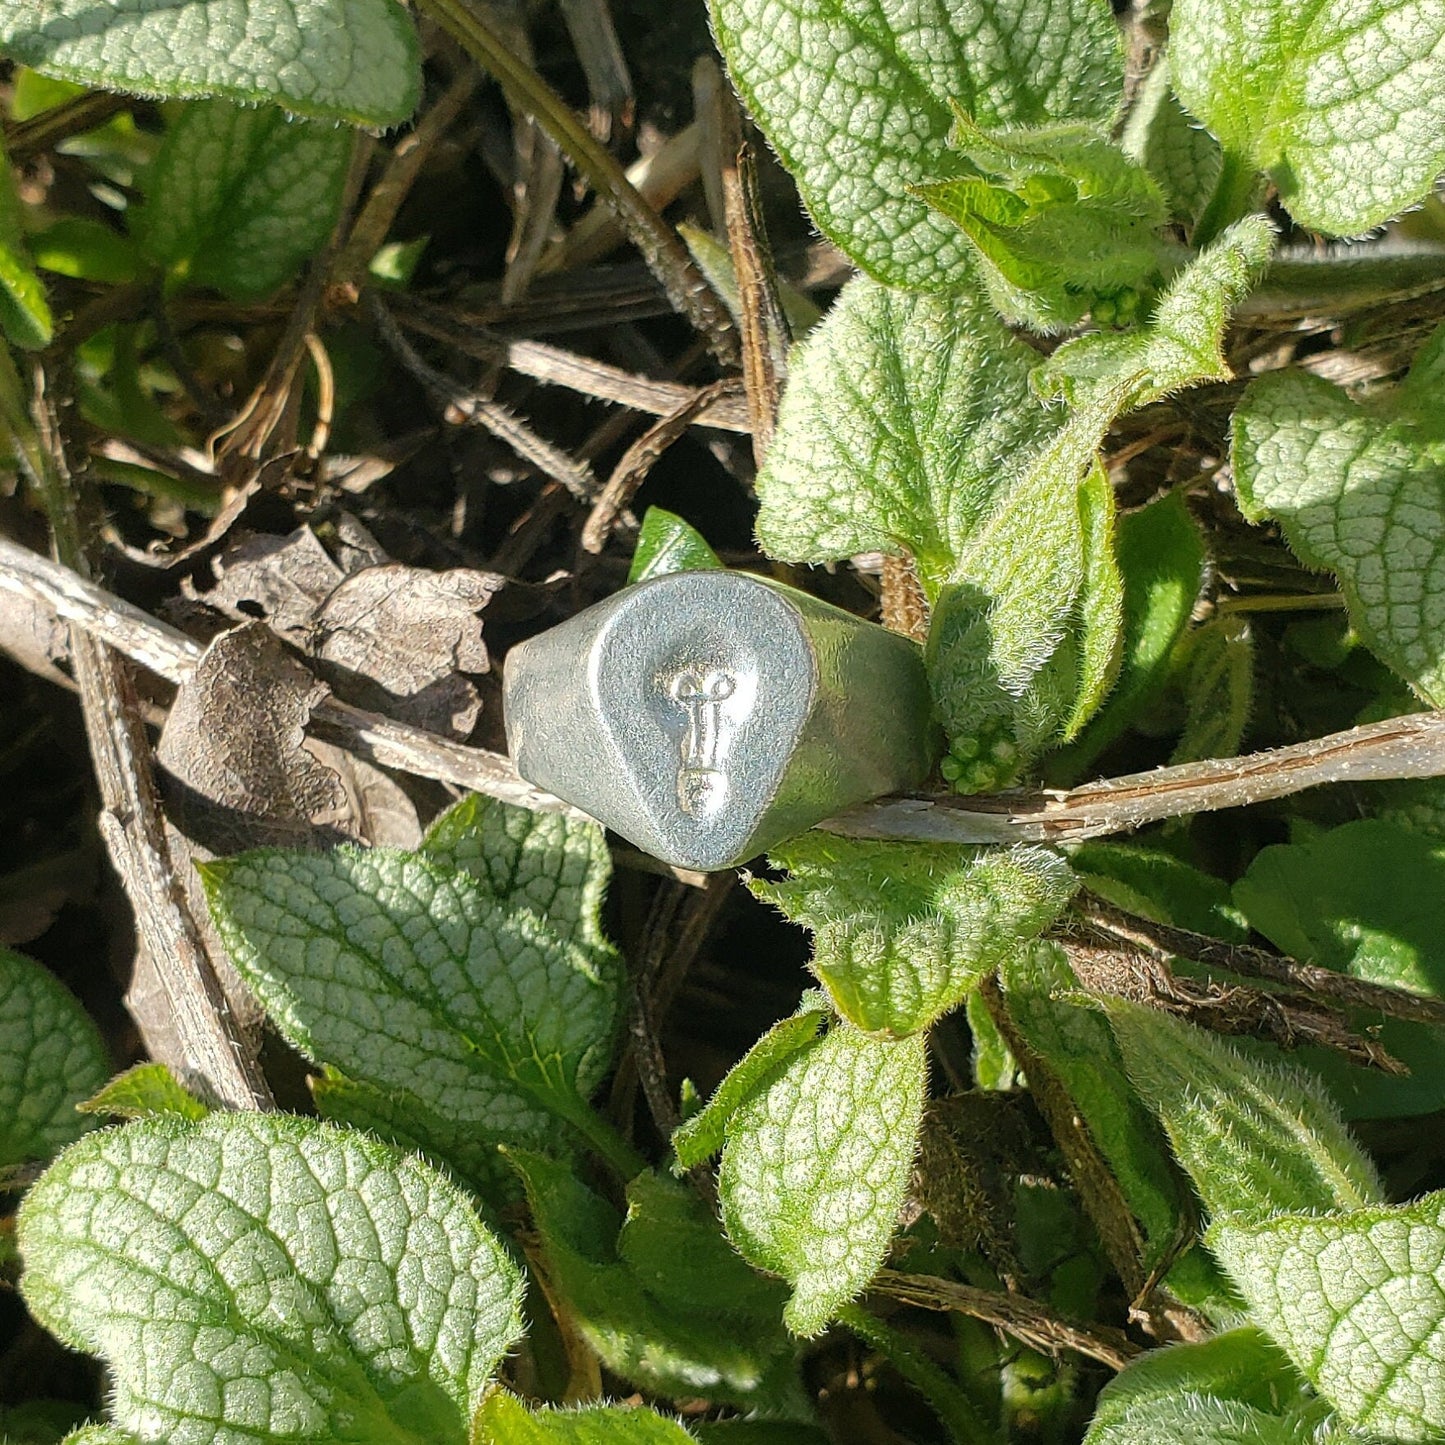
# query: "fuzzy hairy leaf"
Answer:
x=901 y=414
x=854 y=95
x=1343 y=104
x=101 y=1435
x=1357 y=1301
x=1077 y=1045
x=1359 y=488
x=700 y=1137
x=355 y=60
x=816 y=1165
x=260 y=1278
x=239 y=197
x=505 y=1420
x=1224 y=1384
x=409 y=977
x=1254 y=1139
x=1061 y=221
x=662 y=1298
x=556 y=865
x=52 y=1058
x=145 y=1090
x=903 y=932
x=1181 y=156
x=1216 y=667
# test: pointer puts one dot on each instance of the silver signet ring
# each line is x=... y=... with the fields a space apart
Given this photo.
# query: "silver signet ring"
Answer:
x=707 y=715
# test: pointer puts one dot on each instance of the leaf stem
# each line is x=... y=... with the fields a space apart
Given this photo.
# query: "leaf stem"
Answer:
x=960 y=1416
x=607 y=1143
x=1233 y=198
x=664 y=253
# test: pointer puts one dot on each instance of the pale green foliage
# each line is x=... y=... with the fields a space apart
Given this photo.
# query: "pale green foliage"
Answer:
x=854 y=95
x=1342 y=103
x=903 y=931
x=355 y=60
x=254 y=1278
x=1254 y=1139
x=556 y=865
x=1061 y=220
x=662 y=1298
x=239 y=197
x=1181 y=156
x=412 y=978
x=25 y=318
x=101 y=1435
x=144 y=1090
x=505 y=1420
x=901 y=416
x=1223 y=1388
x=1161 y=560
x=51 y=1059
x=1076 y=1044
x=701 y=1136
x=816 y=1165
x=1359 y=488
x=1368 y=899
x=1357 y=1301
x=1179 y=346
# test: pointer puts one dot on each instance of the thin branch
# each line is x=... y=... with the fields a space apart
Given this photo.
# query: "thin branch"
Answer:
x=1403 y=747
x=1025 y=1319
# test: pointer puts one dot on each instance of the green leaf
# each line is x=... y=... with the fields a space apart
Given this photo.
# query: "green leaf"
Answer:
x=666 y=544
x=700 y=1137
x=101 y=1435
x=143 y=1091
x=238 y=198
x=854 y=95
x=662 y=1298
x=816 y=1165
x=1077 y=1045
x=401 y=1120
x=409 y=977
x=1181 y=156
x=1254 y=1139
x=1233 y=1389
x=555 y=865
x=1357 y=1301
x=51 y=1059
x=258 y=1278
x=1359 y=488
x=1366 y=899
x=1342 y=104
x=900 y=417
x=25 y=318
x=1061 y=220
x=1241 y=1367
x=1217 y=666
x=505 y=1420
x=902 y=932
x=86 y=249
x=1180 y=344
x=1159 y=886
x=1161 y=558
x=354 y=60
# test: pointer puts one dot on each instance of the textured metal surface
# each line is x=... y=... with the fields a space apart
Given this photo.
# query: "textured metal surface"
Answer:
x=705 y=716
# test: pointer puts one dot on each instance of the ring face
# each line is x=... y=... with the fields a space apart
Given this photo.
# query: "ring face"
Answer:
x=707 y=715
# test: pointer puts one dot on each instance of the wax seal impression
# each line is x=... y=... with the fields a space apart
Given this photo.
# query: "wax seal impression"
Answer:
x=707 y=715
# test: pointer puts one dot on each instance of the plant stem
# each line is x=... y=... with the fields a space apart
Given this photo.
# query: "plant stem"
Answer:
x=958 y=1413
x=664 y=253
x=609 y=1145
x=1232 y=199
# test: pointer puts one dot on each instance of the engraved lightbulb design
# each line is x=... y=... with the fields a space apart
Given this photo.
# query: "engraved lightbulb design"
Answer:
x=702 y=786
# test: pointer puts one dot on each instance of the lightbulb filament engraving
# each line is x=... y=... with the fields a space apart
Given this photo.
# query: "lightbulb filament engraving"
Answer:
x=700 y=691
